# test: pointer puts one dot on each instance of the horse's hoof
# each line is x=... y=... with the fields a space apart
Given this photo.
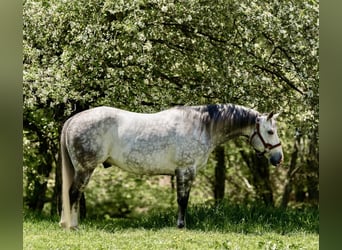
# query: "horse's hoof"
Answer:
x=180 y=224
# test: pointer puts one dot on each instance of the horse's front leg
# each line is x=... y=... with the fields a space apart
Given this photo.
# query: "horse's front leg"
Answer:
x=185 y=176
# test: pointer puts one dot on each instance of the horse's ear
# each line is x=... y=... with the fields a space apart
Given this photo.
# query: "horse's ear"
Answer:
x=270 y=115
x=276 y=115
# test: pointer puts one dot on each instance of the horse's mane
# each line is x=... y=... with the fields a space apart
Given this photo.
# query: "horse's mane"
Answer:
x=228 y=117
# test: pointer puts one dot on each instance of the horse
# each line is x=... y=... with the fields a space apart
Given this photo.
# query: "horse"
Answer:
x=176 y=141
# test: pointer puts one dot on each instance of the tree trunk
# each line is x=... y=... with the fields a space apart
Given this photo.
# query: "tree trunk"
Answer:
x=36 y=199
x=292 y=170
x=259 y=168
x=36 y=196
x=313 y=170
x=57 y=191
x=220 y=174
x=262 y=179
x=299 y=191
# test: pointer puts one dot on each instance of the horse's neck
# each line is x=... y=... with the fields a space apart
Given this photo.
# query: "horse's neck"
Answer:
x=223 y=130
x=219 y=138
x=247 y=131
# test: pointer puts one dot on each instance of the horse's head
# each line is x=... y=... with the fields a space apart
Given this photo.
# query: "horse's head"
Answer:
x=265 y=140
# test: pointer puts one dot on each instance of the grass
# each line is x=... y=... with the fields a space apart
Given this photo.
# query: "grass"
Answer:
x=222 y=227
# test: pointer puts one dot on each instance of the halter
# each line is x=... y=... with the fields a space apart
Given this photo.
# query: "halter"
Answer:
x=267 y=146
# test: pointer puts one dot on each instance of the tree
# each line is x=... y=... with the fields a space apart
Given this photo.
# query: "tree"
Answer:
x=149 y=55
x=220 y=175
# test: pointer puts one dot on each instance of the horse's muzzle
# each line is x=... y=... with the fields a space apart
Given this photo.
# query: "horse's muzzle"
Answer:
x=276 y=158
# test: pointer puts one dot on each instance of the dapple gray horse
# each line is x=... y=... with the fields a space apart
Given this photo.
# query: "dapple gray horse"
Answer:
x=176 y=141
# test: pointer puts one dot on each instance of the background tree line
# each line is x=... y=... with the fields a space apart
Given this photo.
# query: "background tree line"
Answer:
x=146 y=56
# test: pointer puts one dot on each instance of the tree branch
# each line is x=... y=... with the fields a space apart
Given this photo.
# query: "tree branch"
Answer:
x=280 y=76
x=282 y=50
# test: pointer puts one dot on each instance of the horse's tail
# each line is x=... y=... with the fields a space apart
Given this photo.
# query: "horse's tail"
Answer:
x=67 y=178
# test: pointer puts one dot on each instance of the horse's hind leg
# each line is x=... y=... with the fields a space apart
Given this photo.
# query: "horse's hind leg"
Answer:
x=184 y=180
x=77 y=188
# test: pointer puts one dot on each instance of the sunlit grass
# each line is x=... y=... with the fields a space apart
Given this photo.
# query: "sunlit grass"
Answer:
x=223 y=227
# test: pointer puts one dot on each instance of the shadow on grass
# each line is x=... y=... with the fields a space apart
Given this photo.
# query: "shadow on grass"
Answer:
x=255 y=219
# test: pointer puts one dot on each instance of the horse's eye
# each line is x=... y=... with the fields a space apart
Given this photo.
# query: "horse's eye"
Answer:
x=270 y=132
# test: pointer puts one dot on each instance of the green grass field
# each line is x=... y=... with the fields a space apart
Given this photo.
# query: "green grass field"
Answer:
x=223 y=227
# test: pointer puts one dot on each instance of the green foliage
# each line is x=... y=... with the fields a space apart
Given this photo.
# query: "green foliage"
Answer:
x=132 y=52
x=116 y=193
x=147 y=55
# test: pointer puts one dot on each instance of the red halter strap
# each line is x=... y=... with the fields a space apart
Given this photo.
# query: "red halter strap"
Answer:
x=267 y=146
